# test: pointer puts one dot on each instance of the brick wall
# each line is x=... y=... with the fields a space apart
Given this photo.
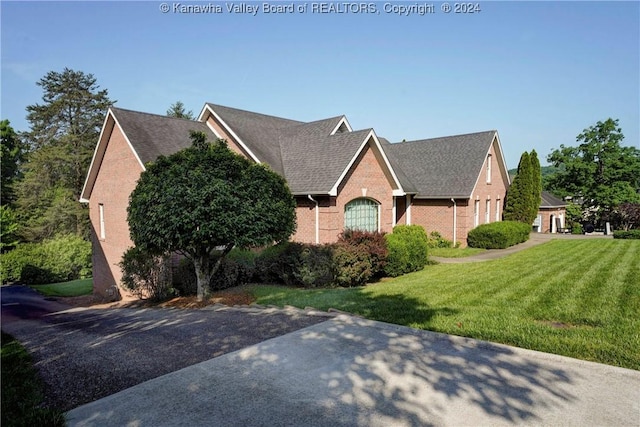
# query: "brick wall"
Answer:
x=117 y=178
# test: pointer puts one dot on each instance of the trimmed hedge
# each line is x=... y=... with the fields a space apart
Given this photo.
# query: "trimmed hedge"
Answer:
x=498 y=235
x=57 y=260
x=357 y=258
x=629 y=234
x=408 y=249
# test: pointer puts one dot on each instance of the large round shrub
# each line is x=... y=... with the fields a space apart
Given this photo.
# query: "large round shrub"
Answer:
x=498 y=235
x=408 y=249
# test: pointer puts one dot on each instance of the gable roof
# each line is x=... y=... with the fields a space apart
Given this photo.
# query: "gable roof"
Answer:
x=312 y=156
x=259 y=133
x=152 y=135
x=551 y=201
x=148 y=135
x=445 y=167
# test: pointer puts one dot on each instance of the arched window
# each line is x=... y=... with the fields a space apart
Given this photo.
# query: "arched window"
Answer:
x=361 y=214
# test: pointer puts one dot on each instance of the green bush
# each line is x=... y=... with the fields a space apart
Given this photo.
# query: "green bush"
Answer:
x=408 y=248
x=576 y=228
x=437 y=241
x=498 y=235
x=630 y=234
x=279 y=263
x=60 y=259
x=352 y=263
x=373 y=245
x=316 y=267
x=147 y=276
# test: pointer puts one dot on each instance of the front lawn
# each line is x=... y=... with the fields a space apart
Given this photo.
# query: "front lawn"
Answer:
x=74 y=288
x=578 y=298
x=455 y=252
x=22 y=390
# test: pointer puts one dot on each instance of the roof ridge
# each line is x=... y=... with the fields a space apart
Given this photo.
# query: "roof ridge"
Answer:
x=446 y=137
x=154 y=114
x=253 y=112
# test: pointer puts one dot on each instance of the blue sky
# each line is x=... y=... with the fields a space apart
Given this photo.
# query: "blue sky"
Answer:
x=538 y=72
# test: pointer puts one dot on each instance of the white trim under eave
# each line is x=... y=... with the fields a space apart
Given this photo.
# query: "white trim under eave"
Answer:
x=343 y=121
x=230 y=131
x=496 y=138
x=100 y=150
x=370 y=135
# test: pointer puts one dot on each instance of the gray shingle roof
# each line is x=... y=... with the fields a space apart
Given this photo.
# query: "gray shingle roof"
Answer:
x=153 y=135
x=441 y=167
x=551 y=201
x=314 y=163
x=311 y=159
x=260 y=132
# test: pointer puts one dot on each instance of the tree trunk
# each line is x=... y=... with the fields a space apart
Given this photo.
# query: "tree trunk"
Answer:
x=203 y=275
x=205 y=270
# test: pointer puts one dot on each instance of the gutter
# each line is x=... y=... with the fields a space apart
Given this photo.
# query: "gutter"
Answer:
x=317 y=218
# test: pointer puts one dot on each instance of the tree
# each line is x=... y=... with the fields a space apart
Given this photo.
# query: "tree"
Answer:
x=536 y=193
x=524 y=194
x=205 y=200
x=627 y=216
x=63 y=135
x=12 y=155
x=600 y=173
x=177 y=110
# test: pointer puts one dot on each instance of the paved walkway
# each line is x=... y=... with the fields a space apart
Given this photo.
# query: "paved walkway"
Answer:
x=349 y=371
x=534 y=240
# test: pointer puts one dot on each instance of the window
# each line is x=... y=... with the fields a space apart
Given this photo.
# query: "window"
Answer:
x=489 y=169
x=361 y=214
x=102 y=232
x=498 y=210
x=487 y=214
x=476 y=213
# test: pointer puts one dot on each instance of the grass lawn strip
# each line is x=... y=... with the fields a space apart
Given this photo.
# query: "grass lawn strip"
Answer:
x=74 y=288
x=579 y=298
x=22 y=390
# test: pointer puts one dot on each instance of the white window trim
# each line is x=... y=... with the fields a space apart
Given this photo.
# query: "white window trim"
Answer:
x=489 y=157
x=497 y=210
x=102 y=228
x=476 y=213
x=487 y=214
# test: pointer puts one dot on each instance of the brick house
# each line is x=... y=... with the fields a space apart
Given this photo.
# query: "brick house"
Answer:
x=340 y=178
x=552 y=215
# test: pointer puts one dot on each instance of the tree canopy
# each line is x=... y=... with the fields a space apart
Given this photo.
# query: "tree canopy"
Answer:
x=11 y=155
x=203 y=201
x=178 y=110
x=524 y=195
x=63 y=135
x=600 y=172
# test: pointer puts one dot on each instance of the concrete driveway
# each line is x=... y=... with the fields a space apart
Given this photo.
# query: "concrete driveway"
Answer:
x=269 y=367
x=353 y=372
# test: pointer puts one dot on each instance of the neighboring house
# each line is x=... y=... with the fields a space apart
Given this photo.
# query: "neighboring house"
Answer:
x=551 y=215
x=340 y=178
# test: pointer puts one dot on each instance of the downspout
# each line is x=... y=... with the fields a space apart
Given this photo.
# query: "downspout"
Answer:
x=455 y=220
x=317 y=219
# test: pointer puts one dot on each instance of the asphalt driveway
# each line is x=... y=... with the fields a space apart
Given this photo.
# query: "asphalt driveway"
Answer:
x=86 y=354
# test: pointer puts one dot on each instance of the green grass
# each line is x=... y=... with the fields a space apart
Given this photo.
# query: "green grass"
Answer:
x=22 y=390
x=578 y=298
x=74 y=288
x=455 y=252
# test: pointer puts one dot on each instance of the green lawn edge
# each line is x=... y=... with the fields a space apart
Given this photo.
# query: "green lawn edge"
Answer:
x=577 y=298
x=73 y=288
